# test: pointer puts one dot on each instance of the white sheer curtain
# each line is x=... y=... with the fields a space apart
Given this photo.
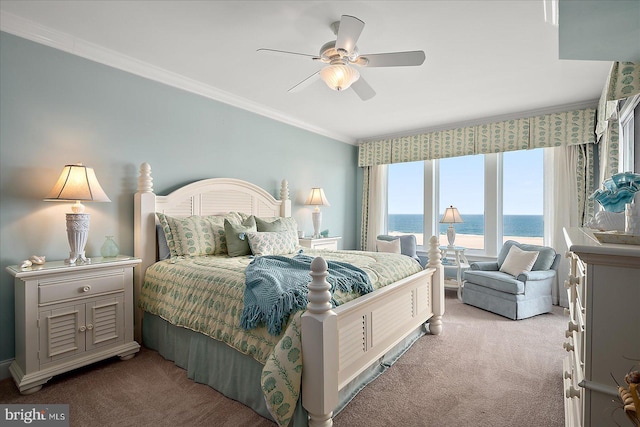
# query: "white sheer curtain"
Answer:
x=561 y=206
x=376 y=206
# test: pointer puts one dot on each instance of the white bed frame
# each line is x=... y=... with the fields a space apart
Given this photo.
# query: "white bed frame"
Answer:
x=337 y=344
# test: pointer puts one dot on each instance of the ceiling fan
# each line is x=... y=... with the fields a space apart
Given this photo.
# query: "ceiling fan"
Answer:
x=342 y=54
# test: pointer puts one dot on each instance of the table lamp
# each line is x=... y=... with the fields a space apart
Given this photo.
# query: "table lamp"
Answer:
x=317 y=198
x=451 y=216
x=77 y=183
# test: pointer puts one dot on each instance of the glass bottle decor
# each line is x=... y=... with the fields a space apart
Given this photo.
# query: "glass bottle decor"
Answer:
x=109 y=248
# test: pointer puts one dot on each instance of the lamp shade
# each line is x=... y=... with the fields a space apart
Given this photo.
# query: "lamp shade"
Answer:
x=451 y=216
x=77 y=183
x=339 y=76
x=317 y=198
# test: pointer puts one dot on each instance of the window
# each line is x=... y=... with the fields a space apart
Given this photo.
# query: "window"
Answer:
x=522 y=196
x=627 y=138
x=498 y=196
x=461 y=182
x=405 y=199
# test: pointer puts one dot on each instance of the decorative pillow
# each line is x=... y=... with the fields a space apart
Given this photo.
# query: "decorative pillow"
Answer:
x=243 y=216
x=546 y=255
x=196 y=235
x=518 y=261
x=276 y=224
x=272 y=242
x=237 y=241
x=164 y=224
x=163 y=246
x=391 y=246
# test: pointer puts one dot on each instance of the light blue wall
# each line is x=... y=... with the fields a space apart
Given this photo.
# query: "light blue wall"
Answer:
x=56 y=108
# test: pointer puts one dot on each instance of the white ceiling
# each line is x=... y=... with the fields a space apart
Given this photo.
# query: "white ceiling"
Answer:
x=485 y=59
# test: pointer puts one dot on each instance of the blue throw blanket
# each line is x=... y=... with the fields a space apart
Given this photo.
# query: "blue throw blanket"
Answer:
x=276 y=286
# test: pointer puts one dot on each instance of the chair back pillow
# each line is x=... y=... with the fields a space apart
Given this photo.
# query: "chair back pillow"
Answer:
x=546 y=255
x=390 y=246
x=408 y=244
x=518 y=261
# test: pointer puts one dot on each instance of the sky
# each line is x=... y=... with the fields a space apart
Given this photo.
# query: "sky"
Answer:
x=462 y=184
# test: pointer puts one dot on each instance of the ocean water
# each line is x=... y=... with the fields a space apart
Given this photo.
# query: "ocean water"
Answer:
x=514 y=225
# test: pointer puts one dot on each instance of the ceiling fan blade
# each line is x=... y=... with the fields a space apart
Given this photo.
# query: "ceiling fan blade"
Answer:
x=287 y=53
x=362 y=89
x=306 y=82
x=394 y=59
x=348 y=32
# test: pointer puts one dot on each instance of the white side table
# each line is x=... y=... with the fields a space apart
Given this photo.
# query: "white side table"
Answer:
x=68 y=316
x=320 y=243
x=454 y=257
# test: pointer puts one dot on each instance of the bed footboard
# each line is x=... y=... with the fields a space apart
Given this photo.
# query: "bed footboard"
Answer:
x=338 y=344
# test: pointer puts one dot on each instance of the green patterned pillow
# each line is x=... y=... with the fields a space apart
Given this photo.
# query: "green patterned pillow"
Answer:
x=272 y=243
x=243 y=216
x=164 y=223
x=235 y=234
x=277 y=224
x=196 y=235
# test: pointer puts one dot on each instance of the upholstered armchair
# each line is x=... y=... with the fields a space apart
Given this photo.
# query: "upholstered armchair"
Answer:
x=408 y=244
x=517 y=285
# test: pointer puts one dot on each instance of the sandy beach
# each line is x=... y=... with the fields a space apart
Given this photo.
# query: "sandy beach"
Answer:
x=473 y=241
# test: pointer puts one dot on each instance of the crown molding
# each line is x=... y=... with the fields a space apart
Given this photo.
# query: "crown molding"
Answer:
x=593 y=103
x=35 y=32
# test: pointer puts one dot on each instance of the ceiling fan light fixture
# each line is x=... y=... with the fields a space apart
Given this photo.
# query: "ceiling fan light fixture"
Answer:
x=339 y=76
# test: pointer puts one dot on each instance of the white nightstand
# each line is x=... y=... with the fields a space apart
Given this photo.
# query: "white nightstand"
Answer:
x=320 y=243
x=454 y=257
x=68 y=316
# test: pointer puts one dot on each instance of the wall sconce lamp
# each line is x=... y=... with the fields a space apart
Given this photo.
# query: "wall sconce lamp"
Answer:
x=77 y=183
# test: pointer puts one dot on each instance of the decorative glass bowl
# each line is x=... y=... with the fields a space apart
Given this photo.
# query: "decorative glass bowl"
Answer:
x=619 y=190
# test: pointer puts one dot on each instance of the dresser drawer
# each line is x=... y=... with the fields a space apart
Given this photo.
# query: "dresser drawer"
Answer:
x=79 y=286
x=572 y=395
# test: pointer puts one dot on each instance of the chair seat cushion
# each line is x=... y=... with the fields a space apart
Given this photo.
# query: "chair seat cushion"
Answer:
x=496 y=280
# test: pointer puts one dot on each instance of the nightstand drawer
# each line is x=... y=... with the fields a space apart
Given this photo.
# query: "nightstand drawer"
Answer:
x=80 y=287
x=328 y=245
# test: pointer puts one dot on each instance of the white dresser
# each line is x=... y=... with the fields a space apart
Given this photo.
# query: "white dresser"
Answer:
x=603 y=333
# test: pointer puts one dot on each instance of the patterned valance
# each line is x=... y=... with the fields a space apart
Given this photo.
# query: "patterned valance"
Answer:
x=623 y=82
x=548 y=130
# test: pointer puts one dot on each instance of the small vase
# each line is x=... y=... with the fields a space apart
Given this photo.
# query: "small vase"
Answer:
x=109 y=248
x=632 y=219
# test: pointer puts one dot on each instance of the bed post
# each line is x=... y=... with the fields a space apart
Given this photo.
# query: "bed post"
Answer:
x=144 y=242
x=437 y=286
x=285 y=207
x=319 y=350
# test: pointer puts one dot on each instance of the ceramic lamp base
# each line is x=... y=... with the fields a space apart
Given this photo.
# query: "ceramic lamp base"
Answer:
x=451 y=235
x=77 y=233
x=316 y=217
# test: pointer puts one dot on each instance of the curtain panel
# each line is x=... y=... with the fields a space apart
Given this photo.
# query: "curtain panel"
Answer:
x=547 y=130
x=374 y=206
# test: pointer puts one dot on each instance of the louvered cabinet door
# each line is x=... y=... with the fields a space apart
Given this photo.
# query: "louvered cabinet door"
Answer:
x=61 y=333
x=105 y=322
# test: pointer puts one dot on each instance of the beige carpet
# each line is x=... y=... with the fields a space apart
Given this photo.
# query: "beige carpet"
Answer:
x=484 y=370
